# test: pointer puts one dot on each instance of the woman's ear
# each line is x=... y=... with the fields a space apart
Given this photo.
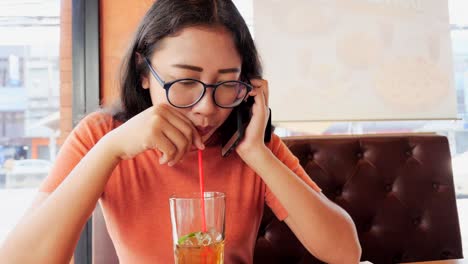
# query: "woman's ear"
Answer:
x=145 y=83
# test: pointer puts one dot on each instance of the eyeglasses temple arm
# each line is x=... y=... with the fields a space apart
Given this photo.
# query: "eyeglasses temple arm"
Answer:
x=154 y=72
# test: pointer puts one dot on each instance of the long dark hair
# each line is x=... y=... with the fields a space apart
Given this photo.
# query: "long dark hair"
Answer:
x=166 y=18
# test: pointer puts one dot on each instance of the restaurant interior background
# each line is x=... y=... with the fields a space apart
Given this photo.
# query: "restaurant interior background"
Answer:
x=37 y=105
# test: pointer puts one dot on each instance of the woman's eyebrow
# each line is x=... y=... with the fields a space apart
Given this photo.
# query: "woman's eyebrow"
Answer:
x=200 y=69
x=229 y=70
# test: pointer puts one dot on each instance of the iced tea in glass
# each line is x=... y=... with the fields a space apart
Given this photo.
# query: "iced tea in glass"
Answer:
x=195 y=241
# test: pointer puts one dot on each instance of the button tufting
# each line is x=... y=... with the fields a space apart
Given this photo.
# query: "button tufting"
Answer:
x=388 y=188
x=435 y=186
x=409 y=153
x=338 y=191
x=367 y=227
x=360 y=155
x=262 y=232
x=416 y=221
x=397 y=258
x=445 y=254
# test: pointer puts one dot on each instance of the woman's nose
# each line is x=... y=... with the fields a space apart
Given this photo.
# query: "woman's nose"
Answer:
x=206 y=105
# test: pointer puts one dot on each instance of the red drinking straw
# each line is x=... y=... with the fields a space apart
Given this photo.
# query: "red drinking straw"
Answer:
x=202 y=188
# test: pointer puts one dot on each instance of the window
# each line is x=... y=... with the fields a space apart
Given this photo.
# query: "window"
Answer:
x=35 y=69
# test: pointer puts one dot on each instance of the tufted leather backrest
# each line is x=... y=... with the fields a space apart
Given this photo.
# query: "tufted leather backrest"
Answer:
x=398 y=190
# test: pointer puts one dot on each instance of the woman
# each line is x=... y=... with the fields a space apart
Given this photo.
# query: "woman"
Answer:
x=131 y=160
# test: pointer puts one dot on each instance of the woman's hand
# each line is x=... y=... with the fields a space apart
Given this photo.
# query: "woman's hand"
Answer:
x=255 y=131
x=158 y=127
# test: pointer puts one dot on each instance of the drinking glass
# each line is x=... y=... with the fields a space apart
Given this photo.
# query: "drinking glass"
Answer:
x=198 y=227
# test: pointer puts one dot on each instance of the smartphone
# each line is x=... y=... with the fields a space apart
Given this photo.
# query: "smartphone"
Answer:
x=242 y=115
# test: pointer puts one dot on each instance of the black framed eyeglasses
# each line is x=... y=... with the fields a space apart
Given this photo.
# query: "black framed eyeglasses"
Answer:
x=183 y=93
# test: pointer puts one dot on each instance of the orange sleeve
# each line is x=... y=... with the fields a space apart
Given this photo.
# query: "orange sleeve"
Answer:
x=83 y=137
x=282 y=152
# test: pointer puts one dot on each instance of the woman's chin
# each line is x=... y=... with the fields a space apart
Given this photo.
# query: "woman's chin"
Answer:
x=207 y=136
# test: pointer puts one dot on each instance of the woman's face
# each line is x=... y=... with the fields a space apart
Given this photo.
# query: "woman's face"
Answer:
x=207 y=54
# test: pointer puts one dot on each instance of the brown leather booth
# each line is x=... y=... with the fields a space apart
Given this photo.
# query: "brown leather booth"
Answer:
x=398 y=189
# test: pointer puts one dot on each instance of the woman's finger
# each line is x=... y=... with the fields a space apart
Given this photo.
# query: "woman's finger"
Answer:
x=166 y=147
x=259 y=96
x=188 y=129
x=185 y=128
x=179 y=140
x=263 y=84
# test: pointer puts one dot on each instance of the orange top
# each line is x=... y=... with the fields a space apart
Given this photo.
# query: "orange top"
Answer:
x=135 y=201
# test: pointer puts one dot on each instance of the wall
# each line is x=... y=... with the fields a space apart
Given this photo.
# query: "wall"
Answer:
x=65 y=70
x=116 y=32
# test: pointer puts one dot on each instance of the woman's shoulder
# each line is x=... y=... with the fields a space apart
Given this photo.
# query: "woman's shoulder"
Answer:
x=279 y=148
x=275 y=142
x=96 y=124
x=100 y=115
x=98 y=118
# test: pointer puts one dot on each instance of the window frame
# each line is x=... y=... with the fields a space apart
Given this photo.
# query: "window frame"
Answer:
x=86 y=87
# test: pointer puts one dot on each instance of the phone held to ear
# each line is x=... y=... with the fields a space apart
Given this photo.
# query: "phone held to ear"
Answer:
x=243 y=115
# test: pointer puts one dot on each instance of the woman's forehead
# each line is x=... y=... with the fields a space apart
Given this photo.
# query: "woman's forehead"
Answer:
x=200 y=44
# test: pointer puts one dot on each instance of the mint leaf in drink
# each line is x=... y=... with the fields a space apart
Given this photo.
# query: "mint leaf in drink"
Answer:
x=182 y=239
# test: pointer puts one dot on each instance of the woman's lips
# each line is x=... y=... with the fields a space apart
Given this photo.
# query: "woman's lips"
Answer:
x=204 y=130
x=205 y=133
